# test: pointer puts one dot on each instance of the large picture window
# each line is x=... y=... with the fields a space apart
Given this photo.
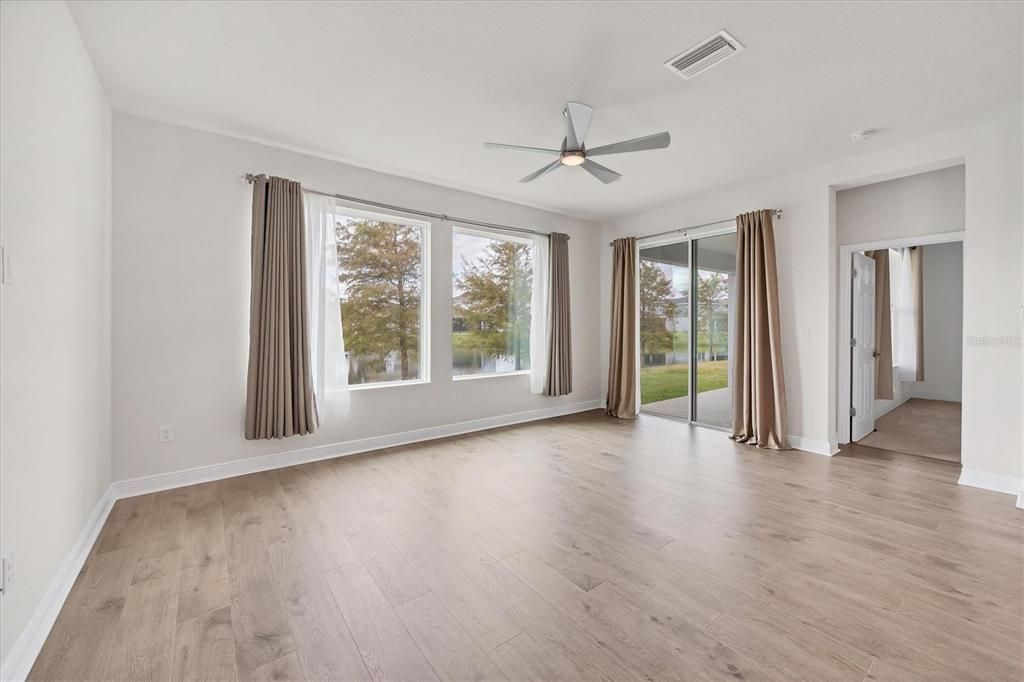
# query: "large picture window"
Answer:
x=379 y=265
x=492 y=284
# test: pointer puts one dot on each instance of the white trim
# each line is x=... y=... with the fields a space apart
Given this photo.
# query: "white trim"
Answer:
x=490 y=375
x=999 y=483
x=925 y=394
x=22 y=656
x=241 y=467
x=679 y=236
x=817 y=447
x=900 y=242
x=901 y=173
x=379 y=384
x=1020 y=498
x=843 y=334
x=495 y=233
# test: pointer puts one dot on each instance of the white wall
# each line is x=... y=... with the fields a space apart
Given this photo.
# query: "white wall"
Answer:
x=943 y=275
x=915 y=205
x=55 y=317
x=806 y=240
x=181 y=301
x=911 y=206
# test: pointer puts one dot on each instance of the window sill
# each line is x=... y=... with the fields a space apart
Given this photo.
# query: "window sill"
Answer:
x=490 y=375
x=382 y=384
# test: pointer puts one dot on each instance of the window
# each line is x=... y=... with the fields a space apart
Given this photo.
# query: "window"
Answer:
x=380 y=267
x=492 y=283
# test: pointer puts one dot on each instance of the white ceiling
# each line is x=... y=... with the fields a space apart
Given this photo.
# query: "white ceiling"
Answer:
x=414 y=88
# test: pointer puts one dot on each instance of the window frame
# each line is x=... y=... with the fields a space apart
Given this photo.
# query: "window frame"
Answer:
x=487 y=233
x=349 y=210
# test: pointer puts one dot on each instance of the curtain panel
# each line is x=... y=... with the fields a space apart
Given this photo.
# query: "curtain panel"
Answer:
x=758 y=391
x=540 y=295
x=280 y=400
x=328 y=360
x=908 y=323
x=559 y=370
x=622 y=379
x=883 y=325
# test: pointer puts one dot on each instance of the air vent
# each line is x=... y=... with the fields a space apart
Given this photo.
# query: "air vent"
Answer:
x=704 y=55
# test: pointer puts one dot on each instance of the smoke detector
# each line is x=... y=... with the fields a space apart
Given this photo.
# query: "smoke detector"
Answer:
x=861 y=135
x=704 y=55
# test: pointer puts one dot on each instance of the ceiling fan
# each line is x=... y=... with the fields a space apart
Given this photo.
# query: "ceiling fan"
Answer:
x=574 y=153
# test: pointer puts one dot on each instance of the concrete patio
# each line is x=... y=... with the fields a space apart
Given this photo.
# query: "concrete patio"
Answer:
x=714 y=407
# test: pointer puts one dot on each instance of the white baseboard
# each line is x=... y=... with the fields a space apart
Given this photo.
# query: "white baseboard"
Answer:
x=240 y=467
x=1020 y=498
x=21 y=657
x=818 y=447
x=999 y=483
x=925 y=394
x=893 y=404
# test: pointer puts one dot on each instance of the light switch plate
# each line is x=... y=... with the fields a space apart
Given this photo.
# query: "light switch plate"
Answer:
x=166 y=433
x=6 y=267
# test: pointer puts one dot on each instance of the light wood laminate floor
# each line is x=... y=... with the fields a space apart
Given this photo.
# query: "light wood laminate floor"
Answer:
x=929 y=428
x=577 y=548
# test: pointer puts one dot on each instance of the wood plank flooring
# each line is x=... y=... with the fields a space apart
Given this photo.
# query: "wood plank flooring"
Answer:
x=576 y=548
x=929 y=428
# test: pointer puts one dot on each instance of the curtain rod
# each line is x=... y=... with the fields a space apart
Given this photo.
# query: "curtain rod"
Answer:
x=250 y=178
x=776 y=211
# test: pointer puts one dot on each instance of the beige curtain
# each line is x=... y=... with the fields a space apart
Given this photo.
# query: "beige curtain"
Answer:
x=758 y=391
x=883 y=325
x=621 y=400
x=559 y=379
x=279 y=396
x=917 y=283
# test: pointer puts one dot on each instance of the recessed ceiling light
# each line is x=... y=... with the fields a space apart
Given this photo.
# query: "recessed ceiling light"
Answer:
x=862 y=135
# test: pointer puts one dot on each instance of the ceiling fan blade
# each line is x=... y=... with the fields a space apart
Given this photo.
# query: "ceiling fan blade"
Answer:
x=639 y=144
x=543 y=171
x=600 y=172
x=578 y=116
x=516 y=147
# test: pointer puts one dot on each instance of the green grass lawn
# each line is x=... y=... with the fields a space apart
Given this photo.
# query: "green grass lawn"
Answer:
x=670 y=381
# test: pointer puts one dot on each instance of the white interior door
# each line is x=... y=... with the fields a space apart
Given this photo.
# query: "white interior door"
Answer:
x=862 y=350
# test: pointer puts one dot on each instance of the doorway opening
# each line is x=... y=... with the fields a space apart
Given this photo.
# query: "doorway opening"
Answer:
x=686 y=292
x=905 y=327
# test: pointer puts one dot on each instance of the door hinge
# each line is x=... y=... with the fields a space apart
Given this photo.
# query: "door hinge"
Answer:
x=853 y=411
x=853 y=273
x=853 y=343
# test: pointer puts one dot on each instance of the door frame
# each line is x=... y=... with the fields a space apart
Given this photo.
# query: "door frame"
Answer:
x=844 y=323
x=689 y=237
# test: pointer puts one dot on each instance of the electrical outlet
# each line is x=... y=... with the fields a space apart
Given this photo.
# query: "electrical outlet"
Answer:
x=6 y=572
x=166 y=433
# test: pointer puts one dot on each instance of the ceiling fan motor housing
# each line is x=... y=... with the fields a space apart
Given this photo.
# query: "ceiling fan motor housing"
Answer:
x=574 y=152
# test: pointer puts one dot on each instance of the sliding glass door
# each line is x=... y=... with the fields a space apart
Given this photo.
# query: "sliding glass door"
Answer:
x=665 y=330
x=715 y=267
x=685 y=340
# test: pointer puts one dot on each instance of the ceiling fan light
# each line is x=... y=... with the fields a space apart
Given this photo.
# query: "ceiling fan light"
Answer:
x=572 y=158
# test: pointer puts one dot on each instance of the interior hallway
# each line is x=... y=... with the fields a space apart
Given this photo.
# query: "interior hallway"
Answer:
x=927 y=428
